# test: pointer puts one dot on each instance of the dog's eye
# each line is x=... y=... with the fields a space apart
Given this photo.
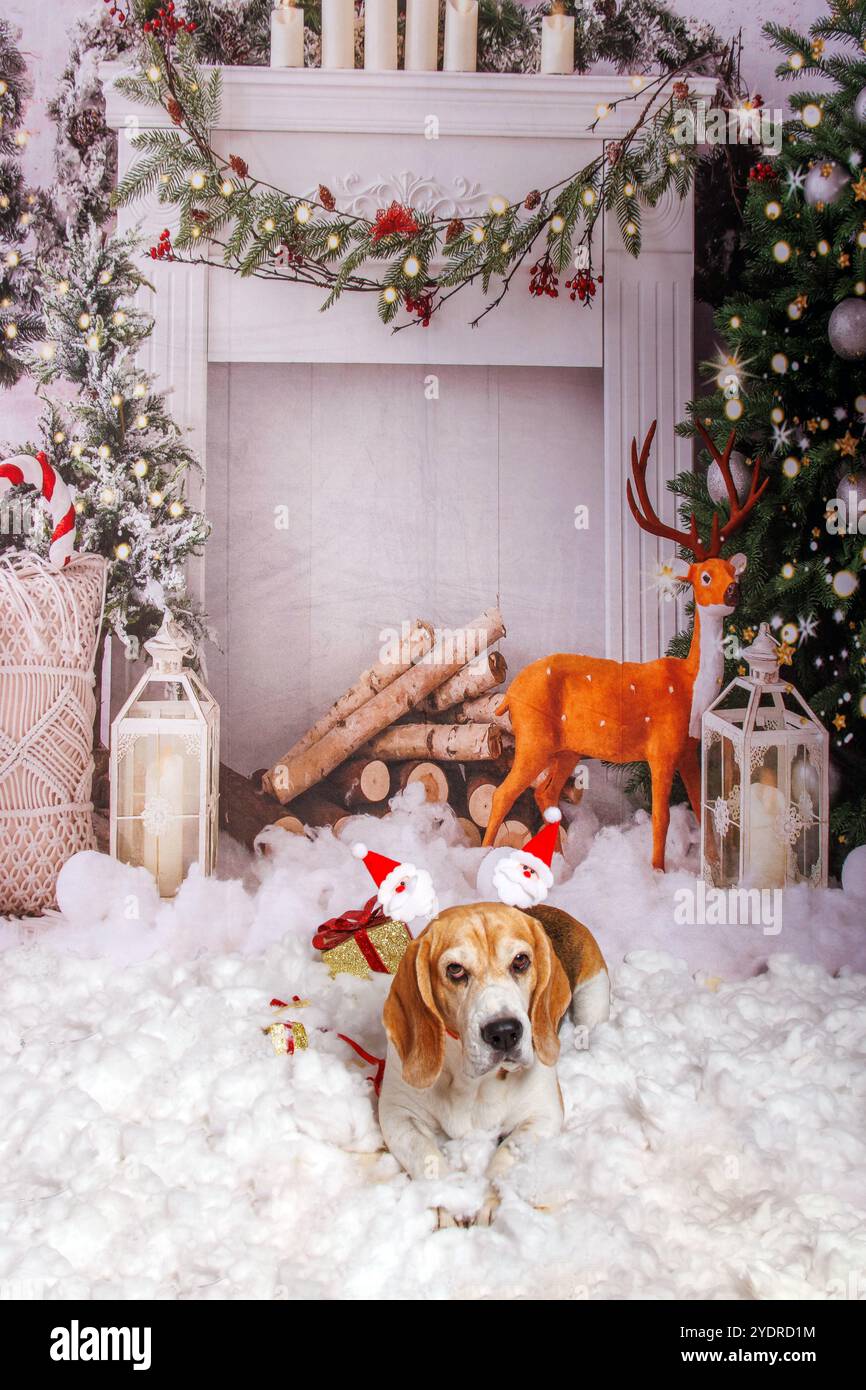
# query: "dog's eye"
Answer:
x=456 y=972
x=520 y=963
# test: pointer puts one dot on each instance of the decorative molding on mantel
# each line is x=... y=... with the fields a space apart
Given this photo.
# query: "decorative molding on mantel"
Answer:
x=511 y=105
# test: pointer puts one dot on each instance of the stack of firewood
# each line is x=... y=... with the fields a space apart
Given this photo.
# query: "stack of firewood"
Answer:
x=428 y=718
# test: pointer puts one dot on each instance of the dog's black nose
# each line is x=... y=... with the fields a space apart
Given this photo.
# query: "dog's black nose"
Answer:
x=502 y=1033
x=732 y=595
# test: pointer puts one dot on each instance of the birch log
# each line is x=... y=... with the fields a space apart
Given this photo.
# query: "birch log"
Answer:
x=431 y=777
x=480 y=787
x=470 y=830
x=317 y=810
x=293 y=775
x=482 y=711
x=474 y=679
x=512 y=832
x=358 y=781
x=463 y=743
x=244 y=810
x=370 y=682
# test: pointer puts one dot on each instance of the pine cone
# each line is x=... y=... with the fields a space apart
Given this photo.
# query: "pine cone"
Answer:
x=455 y=227
x=175 y=110
x=239 y=165
x=532 y=199
x=326 y=197
x=681 y=90
x=613 y=152
x=84 y=128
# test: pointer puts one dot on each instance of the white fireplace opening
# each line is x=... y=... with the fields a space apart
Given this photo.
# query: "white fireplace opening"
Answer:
x=347 y=500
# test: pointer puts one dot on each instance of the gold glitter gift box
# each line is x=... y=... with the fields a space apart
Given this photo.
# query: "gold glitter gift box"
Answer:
x=362 y=942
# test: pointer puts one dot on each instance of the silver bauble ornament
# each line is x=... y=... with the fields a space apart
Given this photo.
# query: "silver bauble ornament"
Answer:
x=824 y=182
x=741 y=473
x=851 y=487
x=860 y=107
x=847 y=329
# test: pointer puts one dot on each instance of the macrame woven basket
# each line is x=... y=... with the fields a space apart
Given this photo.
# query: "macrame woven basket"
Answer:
x=49 y=629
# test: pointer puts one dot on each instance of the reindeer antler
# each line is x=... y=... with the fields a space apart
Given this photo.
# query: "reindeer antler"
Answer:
x=649 y=520
x=738 y=512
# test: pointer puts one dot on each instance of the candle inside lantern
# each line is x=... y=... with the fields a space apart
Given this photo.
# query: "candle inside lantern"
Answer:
x=380 y=35
x=162 y=850
x=287 y=35
x=767 y=850
x=422 y=35
x=338 y=33
x=461 y=35
x=557 y=40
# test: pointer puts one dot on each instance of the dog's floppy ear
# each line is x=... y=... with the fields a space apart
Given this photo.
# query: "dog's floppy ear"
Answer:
x=412 y=1021
x=550 y=998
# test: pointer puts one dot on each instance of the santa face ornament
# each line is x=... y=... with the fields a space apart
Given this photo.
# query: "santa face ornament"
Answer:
x=406 y=894
x=521 y=880
x=523 y=877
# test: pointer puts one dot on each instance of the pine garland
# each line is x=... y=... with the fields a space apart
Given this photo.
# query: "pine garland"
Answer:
x=633 y=36
x=229 y=218
x=115 y=442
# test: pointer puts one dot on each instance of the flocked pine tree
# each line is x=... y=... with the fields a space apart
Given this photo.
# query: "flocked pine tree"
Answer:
x=791 y=382
x=115 y=443
x=23 y=212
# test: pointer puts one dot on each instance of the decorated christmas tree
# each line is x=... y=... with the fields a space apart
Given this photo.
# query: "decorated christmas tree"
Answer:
x=791 y=383
x=115 y=442
x=23 y=212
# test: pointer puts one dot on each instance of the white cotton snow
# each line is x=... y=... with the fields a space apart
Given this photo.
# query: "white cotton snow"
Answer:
x=155 y=1146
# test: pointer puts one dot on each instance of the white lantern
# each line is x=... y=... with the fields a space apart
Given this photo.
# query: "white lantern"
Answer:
x=165 y=768
x=765 y=775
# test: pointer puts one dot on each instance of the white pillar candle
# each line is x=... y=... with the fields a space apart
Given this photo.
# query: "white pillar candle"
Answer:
x=287 y=35
x=422 y=35
x=338 y=33
x=162 y=849
x=767 y=850
x=461 y=35
x=380 y=35
x=557 y=42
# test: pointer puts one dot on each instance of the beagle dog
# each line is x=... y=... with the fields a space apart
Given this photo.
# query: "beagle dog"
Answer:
x=472 y=1020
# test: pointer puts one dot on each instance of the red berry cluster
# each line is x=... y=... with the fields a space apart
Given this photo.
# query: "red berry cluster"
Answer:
x=289 y=255
x=165 y=22
x=543 y=279
x=163 y=251
x=116 y=12
x=395 y=220
x=582 y=287
x=422 y=305
x=761 y=172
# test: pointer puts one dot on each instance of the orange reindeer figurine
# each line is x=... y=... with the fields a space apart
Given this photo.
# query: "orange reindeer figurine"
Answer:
x=565 y=707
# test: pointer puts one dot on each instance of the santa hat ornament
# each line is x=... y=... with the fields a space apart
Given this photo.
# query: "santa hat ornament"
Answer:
x=523 y=878
x=405 y=893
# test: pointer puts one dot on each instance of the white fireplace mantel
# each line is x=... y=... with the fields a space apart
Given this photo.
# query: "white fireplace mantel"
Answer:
x=446 y=142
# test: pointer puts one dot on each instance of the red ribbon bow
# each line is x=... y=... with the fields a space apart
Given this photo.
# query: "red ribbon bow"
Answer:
x=338 y=929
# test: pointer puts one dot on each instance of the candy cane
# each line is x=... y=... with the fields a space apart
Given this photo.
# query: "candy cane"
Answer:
x=40 y=474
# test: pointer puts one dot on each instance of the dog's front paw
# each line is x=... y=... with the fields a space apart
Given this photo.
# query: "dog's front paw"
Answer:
x=488 y=1209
